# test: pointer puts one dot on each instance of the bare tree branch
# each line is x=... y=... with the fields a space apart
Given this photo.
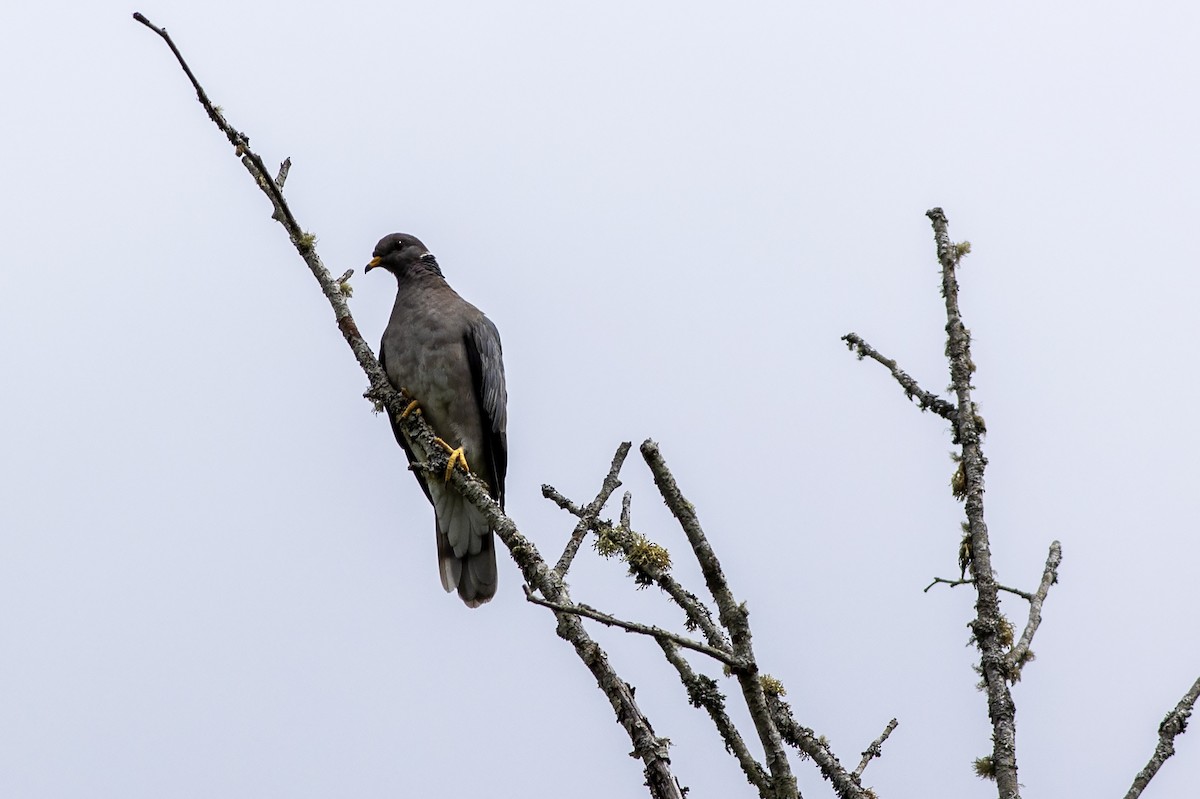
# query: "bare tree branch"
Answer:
x=652 y=750
x=989 y=625
x=875 y=749
x=658 y=633
x=702 y=692
x=649 y=570
x=926 y=400
x=733 y=617
x=1028 y=597
x=845 y=783
x=551 y=493
x=698 y=615
x=1173 y=725
x=281 y=178
x=303 y=242
x=588 y=515
x=1020 y=653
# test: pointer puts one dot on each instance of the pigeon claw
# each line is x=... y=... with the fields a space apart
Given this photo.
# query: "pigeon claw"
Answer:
x=413 y=407
x=457 y=456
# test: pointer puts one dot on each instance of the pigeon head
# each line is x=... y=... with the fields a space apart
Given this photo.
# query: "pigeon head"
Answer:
x=400 y=254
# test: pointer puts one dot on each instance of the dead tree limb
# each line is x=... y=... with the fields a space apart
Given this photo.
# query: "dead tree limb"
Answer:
x=1172 y=726
x=647 y=746
x=992 y=633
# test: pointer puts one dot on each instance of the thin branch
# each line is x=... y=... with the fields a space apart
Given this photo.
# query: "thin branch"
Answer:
x=651 y=749
x=1028 y=597
x=702 y=692
x=698 y=615
x=284 y=168
x=303 y=242
x=733 y=617
x=1020 y=653
x=588 y=514
x=989 y=624
x=875 y=749
x=658 y=633
x=845 y=783
x=926 y=400
x=551 y=493
x=1173 y=725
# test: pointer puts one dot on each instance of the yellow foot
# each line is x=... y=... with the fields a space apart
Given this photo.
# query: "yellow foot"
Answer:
x=456 y=456
x=413 y=407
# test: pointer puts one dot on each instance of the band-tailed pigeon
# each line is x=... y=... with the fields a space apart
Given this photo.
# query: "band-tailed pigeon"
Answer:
x=445 y=354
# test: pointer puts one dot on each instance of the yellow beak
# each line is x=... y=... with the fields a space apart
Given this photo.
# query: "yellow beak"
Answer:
x=374 y=262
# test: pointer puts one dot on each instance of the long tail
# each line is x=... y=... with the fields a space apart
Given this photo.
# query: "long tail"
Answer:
x=466 y=548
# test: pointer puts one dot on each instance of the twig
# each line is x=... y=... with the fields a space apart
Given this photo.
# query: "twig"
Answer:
x=651 y=749
x=702 y=692
x=1028 y=597
x=989 y=625
x=588 y=514
x=1020 y=653
x=926 y=400
x=284 y=168
x=1173 y=725
x=551 y=493
x=875 y=749
x=658 y=633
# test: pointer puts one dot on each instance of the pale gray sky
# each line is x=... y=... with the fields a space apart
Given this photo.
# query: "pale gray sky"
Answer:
x=217 y=579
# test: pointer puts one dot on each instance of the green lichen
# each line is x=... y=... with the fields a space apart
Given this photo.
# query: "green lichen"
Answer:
x=645 y=558
x=985 y=768
x=771 y=686
x=958 y=483
x=1006 y=632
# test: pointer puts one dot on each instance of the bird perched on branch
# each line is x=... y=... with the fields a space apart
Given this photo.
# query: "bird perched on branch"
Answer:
x=445 y=355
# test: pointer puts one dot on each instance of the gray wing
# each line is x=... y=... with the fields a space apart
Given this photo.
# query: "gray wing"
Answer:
x=487 y=375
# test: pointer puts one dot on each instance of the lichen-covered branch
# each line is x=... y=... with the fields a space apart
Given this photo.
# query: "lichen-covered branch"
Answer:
x=876 y=748
x=703 y=693
x=989 y=625
x=733 y=617
x=647 y=746
x=762 y=699
x=845 y=783
x=926 y=400
x=647 y=572
x=1172 y=726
